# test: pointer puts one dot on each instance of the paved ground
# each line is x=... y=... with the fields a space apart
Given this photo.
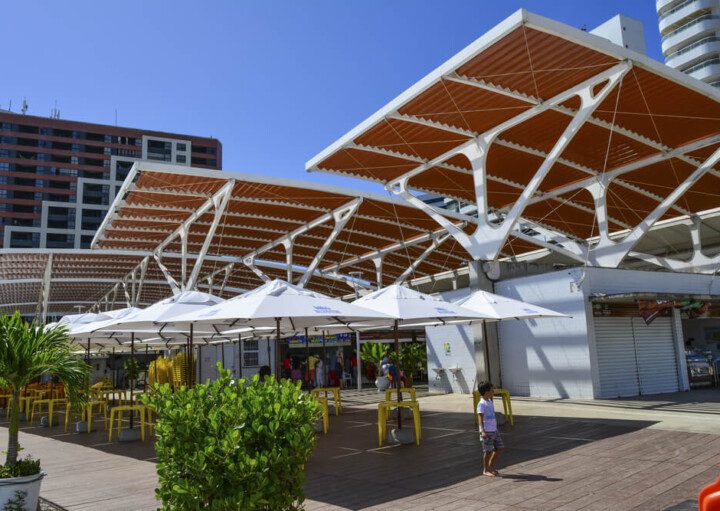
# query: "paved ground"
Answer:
x=624 y=454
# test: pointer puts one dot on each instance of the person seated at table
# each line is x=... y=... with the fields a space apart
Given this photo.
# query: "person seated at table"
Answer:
x=264 y=371
x=296 y=373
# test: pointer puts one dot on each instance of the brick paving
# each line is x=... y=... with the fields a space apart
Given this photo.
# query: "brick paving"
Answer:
x=562 y=463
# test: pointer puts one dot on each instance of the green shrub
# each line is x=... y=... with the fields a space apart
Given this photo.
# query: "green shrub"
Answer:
x=228 y=446
x=21 y=468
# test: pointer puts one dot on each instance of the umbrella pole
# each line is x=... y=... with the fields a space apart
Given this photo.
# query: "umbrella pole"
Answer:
x=222 y=354
x=307 y=358
x=240 y=357
x=87 y=352
x=277 y=348
x=191 y=362
x=358 y=365
x=325 y=361
x=397 y=371
x=114 y=367
x=132 y=380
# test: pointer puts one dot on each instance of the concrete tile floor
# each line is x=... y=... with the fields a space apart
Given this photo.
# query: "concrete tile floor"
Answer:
x=627 y=454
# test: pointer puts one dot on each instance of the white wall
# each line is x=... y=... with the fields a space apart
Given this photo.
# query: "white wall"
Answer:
x=210 y=355
x=461 y=354
x=547 y=358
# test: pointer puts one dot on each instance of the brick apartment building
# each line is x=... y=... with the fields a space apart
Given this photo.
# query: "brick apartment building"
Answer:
x=58 y=177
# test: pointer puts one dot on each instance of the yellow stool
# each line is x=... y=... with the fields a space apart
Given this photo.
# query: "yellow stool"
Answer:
x=389 y=393
x=150 y=419
x=68 y=411
x=50 y=405
x=336 y=396
x=6 y=399
x=25 y=402
x=384 y=413
x=118 y=410
x=325 y=412
x=507 y=405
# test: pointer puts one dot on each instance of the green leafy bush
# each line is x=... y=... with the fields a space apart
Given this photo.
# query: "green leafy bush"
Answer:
x=228 y=446
x=21 y=468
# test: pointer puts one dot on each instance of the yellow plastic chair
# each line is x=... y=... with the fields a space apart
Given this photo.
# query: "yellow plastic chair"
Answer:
x=507 y=405
x=335 y=391
x=118 y=410
x=102 y=406
x=390 y=393
x=384 y=409
x=37 y=403
x=325 y=412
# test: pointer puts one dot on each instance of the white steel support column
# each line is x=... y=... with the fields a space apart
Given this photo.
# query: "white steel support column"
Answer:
x=41 y=312
x=610 y=253
x=378 y=262
x=489 y=237
x=436 y=242
x=168 y=276
x=341 y=217
x=288 y=244
x=143 y=272
x=219 y=201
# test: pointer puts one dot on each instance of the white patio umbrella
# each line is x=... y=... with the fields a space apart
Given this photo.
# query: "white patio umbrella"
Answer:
x=280 y=305
x=501 y=307
x=151 y=321
x=406 y=305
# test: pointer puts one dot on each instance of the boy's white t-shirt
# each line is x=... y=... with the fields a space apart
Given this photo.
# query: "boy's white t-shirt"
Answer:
x=487 y=409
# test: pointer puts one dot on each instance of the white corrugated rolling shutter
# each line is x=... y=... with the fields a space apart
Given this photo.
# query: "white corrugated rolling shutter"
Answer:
x=616 y=357
x=657 y=361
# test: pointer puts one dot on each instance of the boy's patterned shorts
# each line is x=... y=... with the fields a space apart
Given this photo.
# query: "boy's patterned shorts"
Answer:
x=492 y=442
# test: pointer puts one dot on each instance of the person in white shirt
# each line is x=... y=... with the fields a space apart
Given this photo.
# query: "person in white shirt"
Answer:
x=491 y=439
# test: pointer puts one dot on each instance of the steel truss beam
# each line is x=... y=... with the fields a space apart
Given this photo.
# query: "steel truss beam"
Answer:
x=488 y=239
x=339 y=215
x=610 y=252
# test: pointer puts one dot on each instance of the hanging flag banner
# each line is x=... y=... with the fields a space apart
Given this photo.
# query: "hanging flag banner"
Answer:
x=344 y=339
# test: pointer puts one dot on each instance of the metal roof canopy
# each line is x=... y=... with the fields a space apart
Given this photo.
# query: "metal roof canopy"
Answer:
x=229 y=230
x=565 y=142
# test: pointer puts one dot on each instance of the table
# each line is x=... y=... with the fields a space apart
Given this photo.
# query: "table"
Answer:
x=50 y=404
x=336 y=396
x=384 y=408
x=118 y=410
x=507 y=404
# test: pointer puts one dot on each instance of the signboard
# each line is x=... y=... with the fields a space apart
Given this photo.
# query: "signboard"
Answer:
x=344 y=339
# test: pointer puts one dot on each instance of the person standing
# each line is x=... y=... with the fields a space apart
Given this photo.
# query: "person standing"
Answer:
x=319 y=376
x=491 y=439
x=312 y=364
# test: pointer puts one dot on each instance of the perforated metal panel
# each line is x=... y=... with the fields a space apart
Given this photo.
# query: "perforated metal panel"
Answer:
x=657 y=360
x=635 y=358
x=617 y=363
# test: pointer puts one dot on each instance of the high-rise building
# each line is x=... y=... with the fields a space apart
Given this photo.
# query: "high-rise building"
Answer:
x=58 y=177
x=690 y=31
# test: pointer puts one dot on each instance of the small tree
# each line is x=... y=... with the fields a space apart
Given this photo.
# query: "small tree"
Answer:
x=413 y=357
x=226 y=445
x=373 y=352
x=28 y=351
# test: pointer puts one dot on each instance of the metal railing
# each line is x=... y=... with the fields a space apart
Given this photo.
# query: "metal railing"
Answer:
x=688 y=25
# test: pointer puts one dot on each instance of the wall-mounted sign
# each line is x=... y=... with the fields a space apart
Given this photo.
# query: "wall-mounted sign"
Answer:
x=447 y=347
x=344 y=339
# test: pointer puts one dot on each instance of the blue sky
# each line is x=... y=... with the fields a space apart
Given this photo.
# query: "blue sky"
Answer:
x=275 y=81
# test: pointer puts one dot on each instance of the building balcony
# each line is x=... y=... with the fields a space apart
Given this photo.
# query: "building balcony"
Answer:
x=694 y=53
x=663 y=5
x=678 y=14
x=696 y=29
x=708 y=71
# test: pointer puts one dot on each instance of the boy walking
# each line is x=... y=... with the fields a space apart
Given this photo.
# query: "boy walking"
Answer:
x=491 y=439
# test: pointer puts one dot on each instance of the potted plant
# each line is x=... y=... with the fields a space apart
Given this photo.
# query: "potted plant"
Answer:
x=413 y=358
x=28 y=351
x=131 y=369
x=374 y=352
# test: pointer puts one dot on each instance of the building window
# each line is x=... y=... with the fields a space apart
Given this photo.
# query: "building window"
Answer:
x=251 y=354
x=159 y=150
x=181 y=147
x=181 y=158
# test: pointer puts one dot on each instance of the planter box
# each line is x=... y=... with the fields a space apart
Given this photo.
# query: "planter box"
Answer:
x=21 y=489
